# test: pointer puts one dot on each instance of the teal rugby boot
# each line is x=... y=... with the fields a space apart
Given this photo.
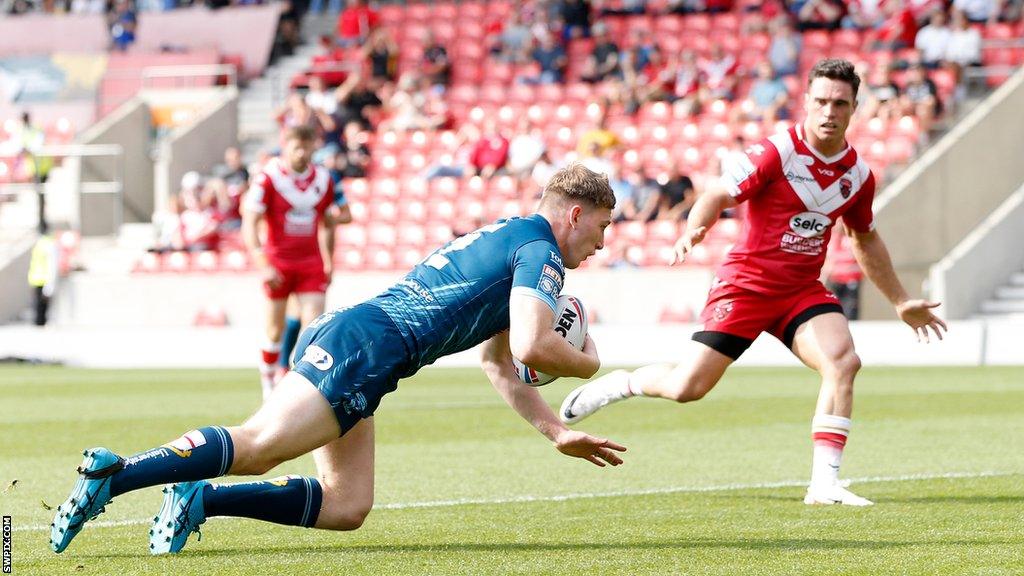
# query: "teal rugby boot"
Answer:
x=180 y=515
x=88 y=498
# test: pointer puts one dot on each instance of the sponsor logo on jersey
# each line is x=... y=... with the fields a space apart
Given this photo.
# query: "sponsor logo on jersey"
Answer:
x=556 y=258
x=826 y=172
x=794 y=177
x=799 y=245
x=550 y=281
x=300 y=222
x=809 y=224
x=554 y=274
x=318 y=357
x=845 y=187
x=416 y=288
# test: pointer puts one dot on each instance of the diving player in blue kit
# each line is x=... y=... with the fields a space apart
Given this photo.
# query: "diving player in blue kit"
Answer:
x=495 y=286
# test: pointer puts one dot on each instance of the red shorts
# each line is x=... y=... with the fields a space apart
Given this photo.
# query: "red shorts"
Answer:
x=298 y=280
x=734 y=317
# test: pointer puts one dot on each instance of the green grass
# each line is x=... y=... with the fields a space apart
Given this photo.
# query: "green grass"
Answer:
x=707 y=488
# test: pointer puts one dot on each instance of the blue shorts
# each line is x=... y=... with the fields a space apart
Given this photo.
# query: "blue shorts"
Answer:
x=354 y=357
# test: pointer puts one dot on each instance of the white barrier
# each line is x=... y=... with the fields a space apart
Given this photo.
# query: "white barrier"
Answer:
x=969 y=343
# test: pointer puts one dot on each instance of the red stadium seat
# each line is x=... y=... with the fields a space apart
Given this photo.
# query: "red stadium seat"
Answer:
x=380 y=259
x=664 y=231
x=631 y=232
x=207 y=261
x=350 y=259
x=408 y=256
x=411 y=187
x=412 y=234
x=381 y=234
x=442 y=211
x=236 y=260
x=355 y=188
x=383 y=188
x=359 y=209
x=438 y=233
x=177 y=262
x=148 y=263
x=412 y=211
x=352 y=234
x=444 y=188
x=382 y=210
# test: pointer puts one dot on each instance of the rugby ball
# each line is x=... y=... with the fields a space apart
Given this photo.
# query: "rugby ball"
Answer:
x=571 y=324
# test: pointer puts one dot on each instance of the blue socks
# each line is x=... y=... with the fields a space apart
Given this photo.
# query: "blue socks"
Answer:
x=292 y=327
x=290 y=500
x=198 y=455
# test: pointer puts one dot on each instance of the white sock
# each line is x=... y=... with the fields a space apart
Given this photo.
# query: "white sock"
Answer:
x=633 y=389
x=829 y=433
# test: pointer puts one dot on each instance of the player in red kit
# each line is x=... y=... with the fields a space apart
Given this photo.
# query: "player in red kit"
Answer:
x=294 y=197
x=796 y=184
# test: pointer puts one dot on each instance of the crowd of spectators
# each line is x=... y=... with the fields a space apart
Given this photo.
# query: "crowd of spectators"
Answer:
x=379 y=88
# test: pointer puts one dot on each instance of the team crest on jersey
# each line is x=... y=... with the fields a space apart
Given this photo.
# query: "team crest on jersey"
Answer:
x=550 y=281
x=722 y=309
x=318 y=357
x=845 y=187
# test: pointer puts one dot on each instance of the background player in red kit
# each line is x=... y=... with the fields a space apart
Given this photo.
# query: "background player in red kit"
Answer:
x=294 y=196
x=797 y=185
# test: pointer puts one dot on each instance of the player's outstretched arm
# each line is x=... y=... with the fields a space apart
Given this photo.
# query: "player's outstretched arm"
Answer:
x=873 y=257
x=496 y=361
x=703 y=216
x=532 y=340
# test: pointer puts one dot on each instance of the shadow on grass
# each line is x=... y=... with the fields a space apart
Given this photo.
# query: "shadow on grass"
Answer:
x=751 y=544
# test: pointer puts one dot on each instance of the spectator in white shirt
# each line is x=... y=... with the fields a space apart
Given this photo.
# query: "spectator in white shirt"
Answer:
x=933 y=40
x=964 y=47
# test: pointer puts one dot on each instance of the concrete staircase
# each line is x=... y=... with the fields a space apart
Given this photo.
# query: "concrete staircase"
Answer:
x=257 y=130
x=1008 y=301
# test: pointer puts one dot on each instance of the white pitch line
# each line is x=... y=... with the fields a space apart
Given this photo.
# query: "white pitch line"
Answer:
x=609 y=494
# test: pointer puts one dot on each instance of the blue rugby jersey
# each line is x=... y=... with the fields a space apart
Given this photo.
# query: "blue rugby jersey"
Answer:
x=458 y=296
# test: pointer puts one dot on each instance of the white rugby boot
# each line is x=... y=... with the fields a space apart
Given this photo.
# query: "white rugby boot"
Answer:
x=828 y=494
x=593 y=396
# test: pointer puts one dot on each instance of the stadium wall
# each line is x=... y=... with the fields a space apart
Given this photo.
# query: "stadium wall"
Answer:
x=131 y=128
x=982 y=262
x=246 y=31
x=45 y=34
x=157 y=301
x=969 y=343
x=198 y=145
x=14 y=259
x=950 y=190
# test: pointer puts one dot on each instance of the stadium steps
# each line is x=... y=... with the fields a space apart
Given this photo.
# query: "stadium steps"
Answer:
x=257 y=128
x=1008 y=301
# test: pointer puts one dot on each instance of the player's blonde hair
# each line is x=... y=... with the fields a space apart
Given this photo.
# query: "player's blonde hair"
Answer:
x=577 y=183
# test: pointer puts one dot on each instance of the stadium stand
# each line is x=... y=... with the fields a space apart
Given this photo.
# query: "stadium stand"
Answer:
x=659 y=114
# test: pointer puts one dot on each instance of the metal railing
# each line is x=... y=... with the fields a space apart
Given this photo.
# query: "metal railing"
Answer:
x=68 y=157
